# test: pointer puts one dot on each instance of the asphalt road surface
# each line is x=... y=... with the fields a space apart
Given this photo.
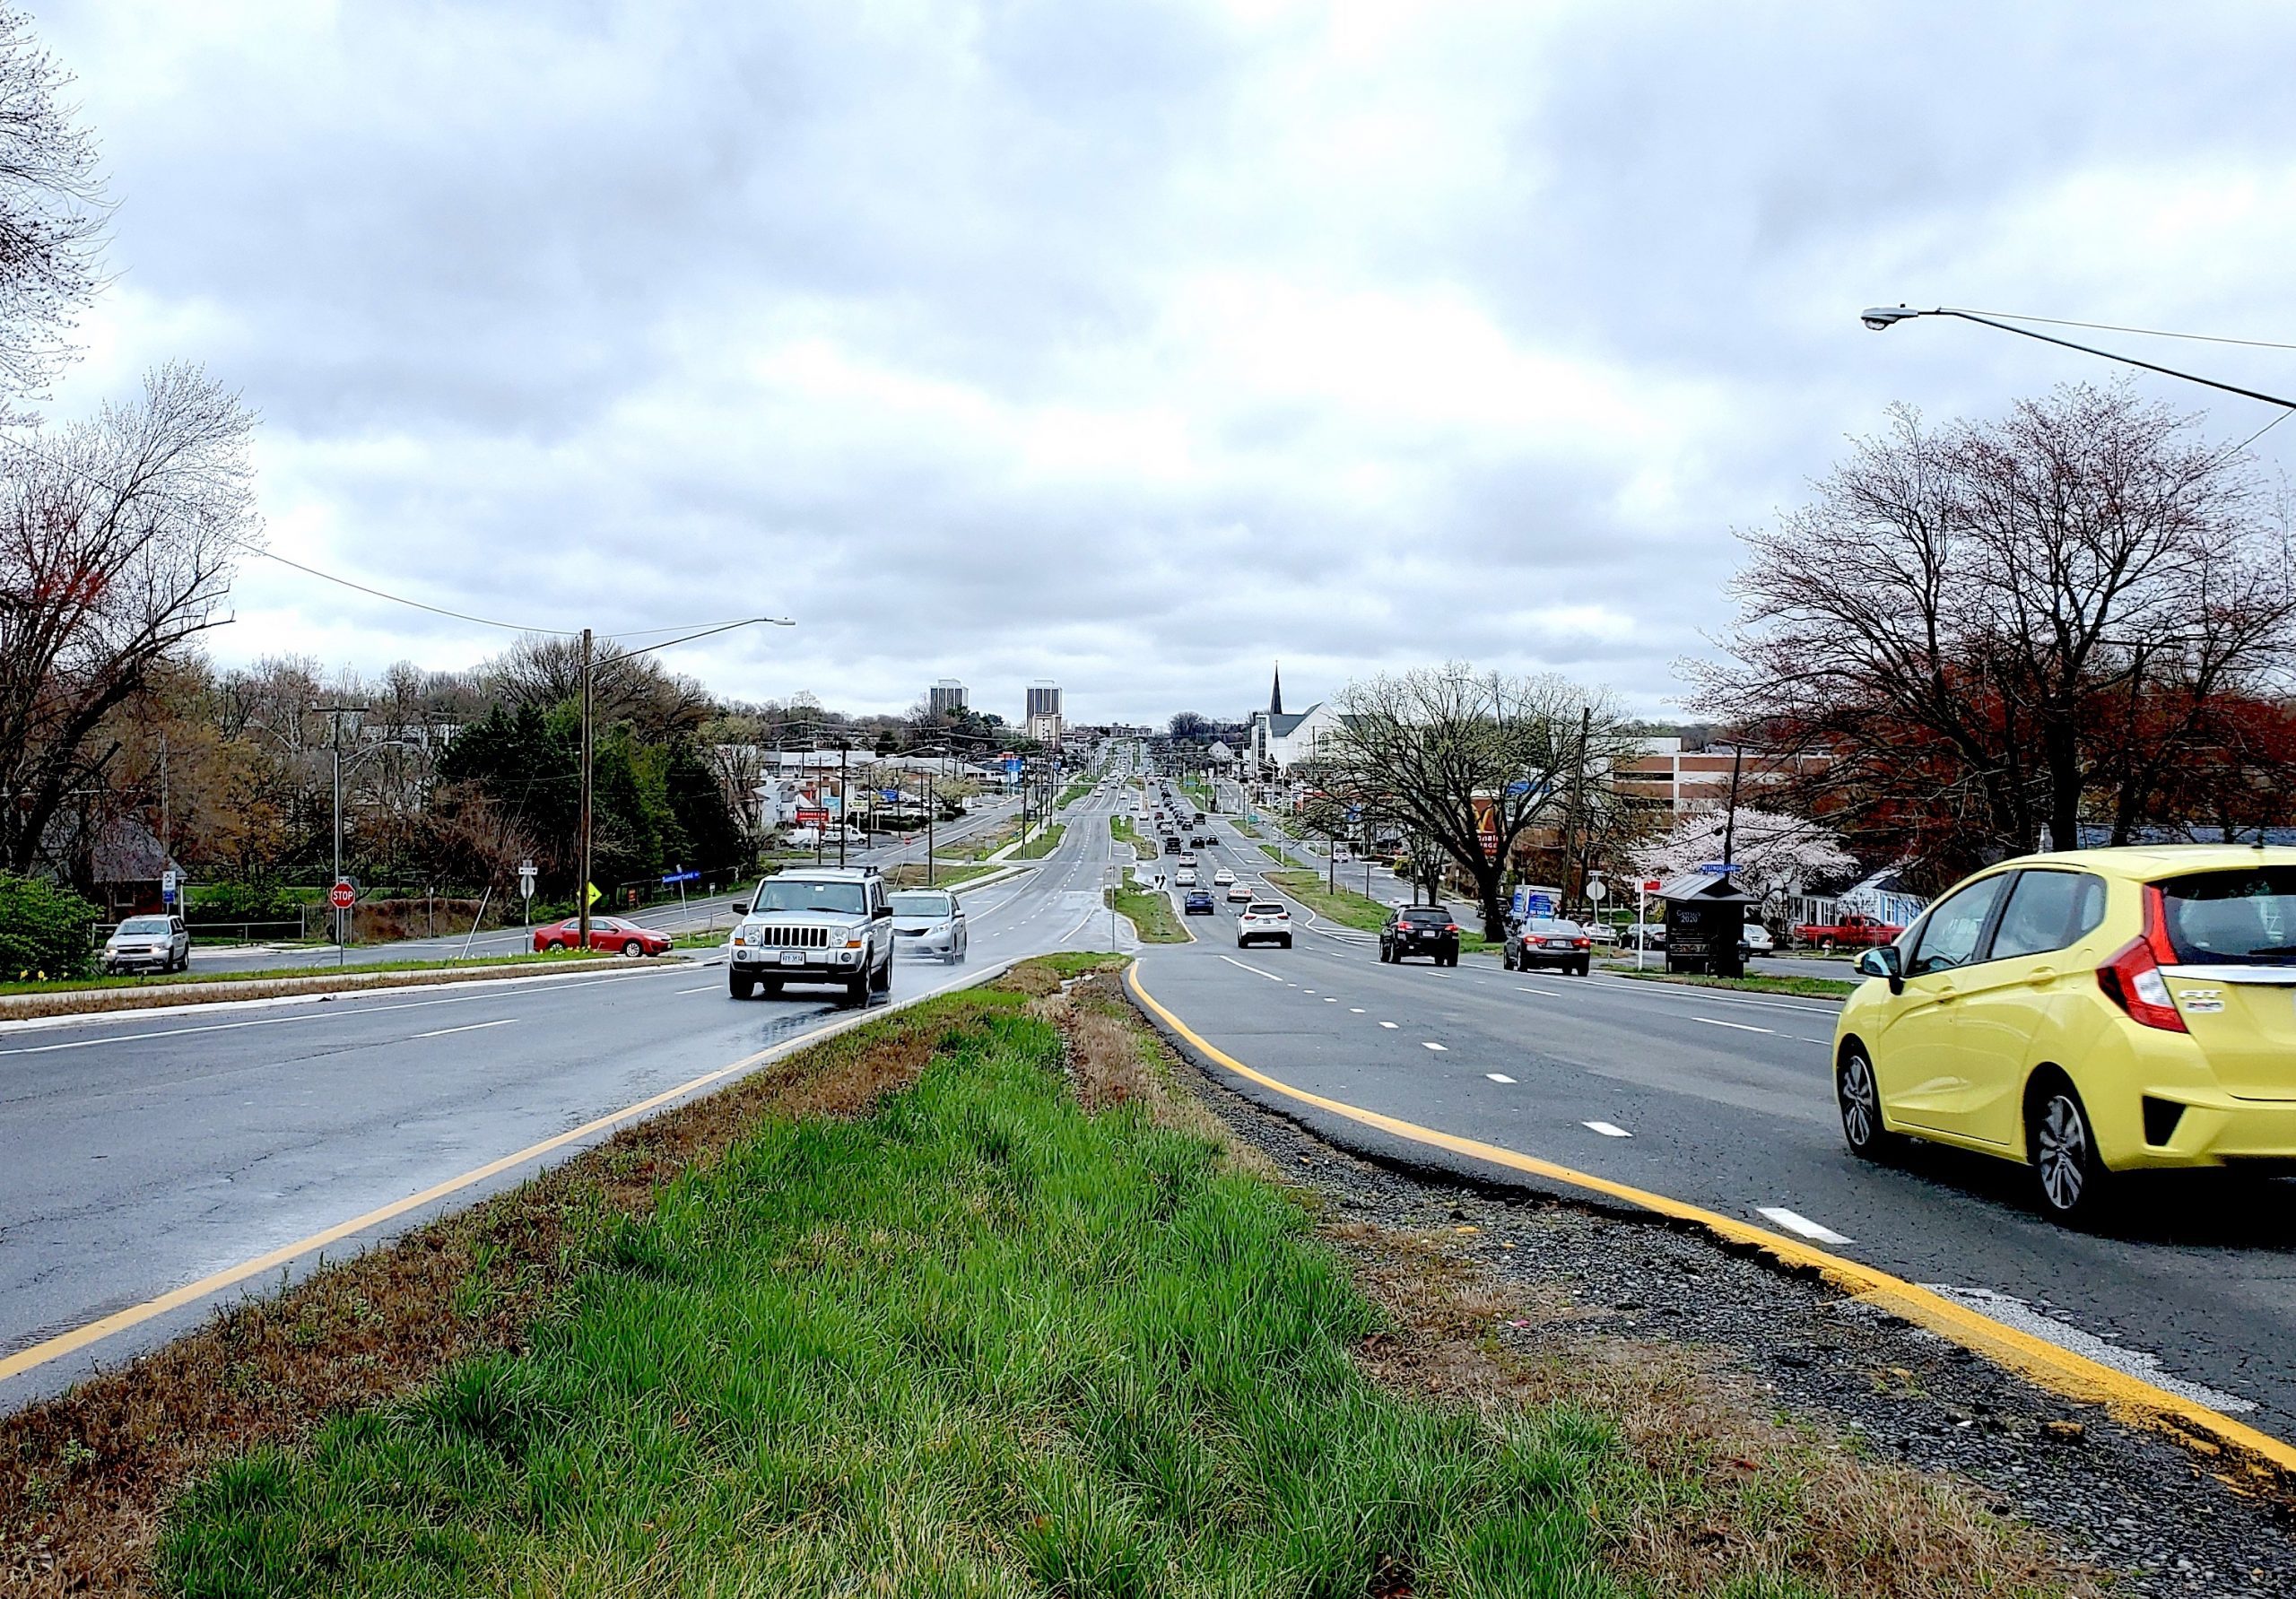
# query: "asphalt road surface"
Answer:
x=144 y=1151
x=1724 y=1099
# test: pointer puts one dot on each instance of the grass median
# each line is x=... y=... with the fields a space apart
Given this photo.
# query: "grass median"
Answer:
x=982 y=1341
x=1121 y=830
x=1290 y=861
x=1041 y=842
x=1351 y=910
x=1150 y=912
x=1805 y=987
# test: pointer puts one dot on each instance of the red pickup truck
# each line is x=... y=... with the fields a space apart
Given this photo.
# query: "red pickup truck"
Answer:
x=1848 y=931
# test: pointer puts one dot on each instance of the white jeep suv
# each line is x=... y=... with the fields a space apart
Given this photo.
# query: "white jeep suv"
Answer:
x=814 y=925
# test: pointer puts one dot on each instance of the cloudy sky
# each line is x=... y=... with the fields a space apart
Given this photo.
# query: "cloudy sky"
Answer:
x=1131 y=345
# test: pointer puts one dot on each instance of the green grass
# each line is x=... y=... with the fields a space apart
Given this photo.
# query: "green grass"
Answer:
x=1351 y=910
x=979 y=1343
x=1073 y=793
x=1041 y=843
x=1121 y=828
x=324 y=968
x=1275 y=853
x=1151 y=913
x=1245 y=828
x=1807 y=988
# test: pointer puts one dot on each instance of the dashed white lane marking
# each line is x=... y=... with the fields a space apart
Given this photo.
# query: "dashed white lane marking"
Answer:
x=1741 y=1027
x=1387 y=1024
x=1499 y=1077
x=468 y=1027
x=1355 y=1009
x=1438 y=1049
x=1254 y=970
x=705 y=988
x=1607 y=1129
x=1791 y=1223
x=1331 y=999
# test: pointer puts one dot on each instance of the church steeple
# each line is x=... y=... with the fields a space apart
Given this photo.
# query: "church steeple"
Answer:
x=1276 y=699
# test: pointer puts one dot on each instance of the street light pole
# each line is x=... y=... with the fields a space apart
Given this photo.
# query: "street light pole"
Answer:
x=1880 y=318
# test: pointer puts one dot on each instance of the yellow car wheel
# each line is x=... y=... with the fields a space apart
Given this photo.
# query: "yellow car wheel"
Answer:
x=1860 y=1096
x=2073 y=1183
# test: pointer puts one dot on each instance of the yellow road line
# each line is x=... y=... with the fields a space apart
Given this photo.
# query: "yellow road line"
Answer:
x=190 y=1293
x=2059 y=1370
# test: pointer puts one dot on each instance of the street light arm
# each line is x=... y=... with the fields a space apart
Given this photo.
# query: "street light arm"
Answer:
x=1881 y=317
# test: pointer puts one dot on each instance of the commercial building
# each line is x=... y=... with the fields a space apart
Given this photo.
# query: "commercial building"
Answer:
x=945 y=698
x=1043 y=723
x=1688 y=778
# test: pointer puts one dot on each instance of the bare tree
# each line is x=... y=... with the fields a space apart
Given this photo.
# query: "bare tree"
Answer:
x=117 y=539
x=51 y=211
x=2008 y=626
x=544 y=672
x=1467 y=761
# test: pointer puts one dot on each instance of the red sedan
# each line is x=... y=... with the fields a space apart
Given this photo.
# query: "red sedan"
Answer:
x=606 y=933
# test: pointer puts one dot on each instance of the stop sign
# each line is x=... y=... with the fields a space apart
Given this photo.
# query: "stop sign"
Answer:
x=343 y=896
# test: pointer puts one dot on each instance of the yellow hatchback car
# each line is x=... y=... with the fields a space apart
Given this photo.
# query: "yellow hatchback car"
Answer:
x=2086 y=1013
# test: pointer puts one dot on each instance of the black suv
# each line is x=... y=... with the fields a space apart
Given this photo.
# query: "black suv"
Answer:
x=1548 y=941
x=1420 y=929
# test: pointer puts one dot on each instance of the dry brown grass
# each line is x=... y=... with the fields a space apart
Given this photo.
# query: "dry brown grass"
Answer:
x=1114 y=1060
x=1728 y=1490
x=85 y=1477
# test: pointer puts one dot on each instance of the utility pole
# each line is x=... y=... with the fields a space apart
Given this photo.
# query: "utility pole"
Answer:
x=844 y=801
x=1570 y=831
x=929 y=809
x=1730 y=816
x=582 y=847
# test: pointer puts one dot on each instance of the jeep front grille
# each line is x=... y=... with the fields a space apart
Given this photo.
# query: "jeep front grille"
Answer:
x=793 y=938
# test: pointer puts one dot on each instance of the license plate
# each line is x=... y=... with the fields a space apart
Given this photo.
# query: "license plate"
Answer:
x=793 y=957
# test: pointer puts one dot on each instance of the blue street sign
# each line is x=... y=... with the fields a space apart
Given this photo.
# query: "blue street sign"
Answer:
x=1719 y=868
x=1533 y=902
x=682 y=877
x=1354 y=812
x=1519 y=786
x=889 y=794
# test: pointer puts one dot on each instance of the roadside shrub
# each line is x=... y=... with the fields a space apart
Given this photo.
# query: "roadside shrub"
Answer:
x=44 y=929
x=262 y=901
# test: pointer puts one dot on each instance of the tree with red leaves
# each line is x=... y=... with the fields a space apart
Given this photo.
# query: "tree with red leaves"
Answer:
x=1999 y=631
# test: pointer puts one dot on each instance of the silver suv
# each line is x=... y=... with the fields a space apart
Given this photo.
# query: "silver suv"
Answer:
x=814 y=925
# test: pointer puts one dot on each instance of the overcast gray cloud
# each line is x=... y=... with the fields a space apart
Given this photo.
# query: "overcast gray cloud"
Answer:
x=1130 y=345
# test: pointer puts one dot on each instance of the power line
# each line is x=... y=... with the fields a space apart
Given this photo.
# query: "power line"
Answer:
x=2150 y=333
x=400 y=599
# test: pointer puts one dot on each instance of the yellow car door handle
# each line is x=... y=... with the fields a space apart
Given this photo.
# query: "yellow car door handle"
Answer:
x=2040 y=974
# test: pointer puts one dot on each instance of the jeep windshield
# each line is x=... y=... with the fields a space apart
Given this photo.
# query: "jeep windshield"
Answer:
x=842 y=899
